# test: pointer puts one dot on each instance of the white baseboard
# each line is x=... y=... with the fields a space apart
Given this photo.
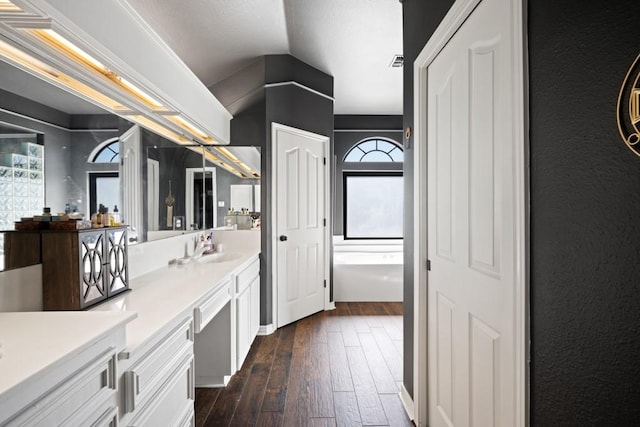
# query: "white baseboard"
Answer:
x=330 y=306
x=407 y=402
x=266 y=329
x=213 y=382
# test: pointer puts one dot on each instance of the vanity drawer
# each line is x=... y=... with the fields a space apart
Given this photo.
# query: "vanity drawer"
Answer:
x=86 y=391
x=211 y=306
x=151 y=371
x=173 y=403
x=246 y=276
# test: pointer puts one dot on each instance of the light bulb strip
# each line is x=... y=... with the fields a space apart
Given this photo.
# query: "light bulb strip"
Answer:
x=42 y=70
x=191 y=128
x=8 y=7
x=159 y=129
x=219 y=162
x=70 y=50
x=241 y=165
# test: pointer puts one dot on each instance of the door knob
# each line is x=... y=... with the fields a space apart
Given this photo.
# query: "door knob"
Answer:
x=283 y=238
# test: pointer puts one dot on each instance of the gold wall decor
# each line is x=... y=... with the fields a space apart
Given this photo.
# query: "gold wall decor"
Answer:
x=628 y=111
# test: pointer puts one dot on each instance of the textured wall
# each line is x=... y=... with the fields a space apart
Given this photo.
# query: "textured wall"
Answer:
x=585 y=231
x=420 y=19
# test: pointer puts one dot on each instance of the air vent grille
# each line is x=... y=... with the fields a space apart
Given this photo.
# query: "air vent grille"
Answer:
x=397 y=61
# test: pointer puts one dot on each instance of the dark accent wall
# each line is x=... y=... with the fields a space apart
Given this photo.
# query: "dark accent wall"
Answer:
x=584 y=181
x=350 y=130
x=173 y=161
x=257 y=101
x=420 y=19
x=585 y=298
x=286 y=68
x=299 y=108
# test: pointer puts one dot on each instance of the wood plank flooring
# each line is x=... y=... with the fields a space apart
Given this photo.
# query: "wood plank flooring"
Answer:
x=335 y=368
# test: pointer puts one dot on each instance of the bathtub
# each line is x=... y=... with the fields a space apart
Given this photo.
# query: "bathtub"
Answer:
x=367 y=271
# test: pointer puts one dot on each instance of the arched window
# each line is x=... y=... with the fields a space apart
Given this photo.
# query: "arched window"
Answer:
x=375 y=150
x=108 y=153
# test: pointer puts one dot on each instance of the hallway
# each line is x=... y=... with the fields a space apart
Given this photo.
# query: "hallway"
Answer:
x=335 y=368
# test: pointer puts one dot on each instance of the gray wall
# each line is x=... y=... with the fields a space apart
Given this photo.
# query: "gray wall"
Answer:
x=255 y=107
x=173 y=160
x=65 y=145
x=299 y=108
x=420 y=20
x=350 y=130
x=54 y=125
x=585 y=298
x=584 y=201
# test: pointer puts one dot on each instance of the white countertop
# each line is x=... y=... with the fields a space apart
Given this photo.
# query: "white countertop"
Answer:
x=166 y=293
x=32 y=342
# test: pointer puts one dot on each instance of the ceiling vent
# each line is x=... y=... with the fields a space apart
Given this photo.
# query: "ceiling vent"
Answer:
x=397 y=61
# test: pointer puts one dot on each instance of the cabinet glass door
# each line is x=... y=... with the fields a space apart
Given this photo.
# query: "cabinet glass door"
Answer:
x=117 y=279
x=92 y=288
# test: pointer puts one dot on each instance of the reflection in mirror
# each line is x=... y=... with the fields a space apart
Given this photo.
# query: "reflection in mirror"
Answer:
x=82 y=150
x=21 y=188
x=238 y=185
x=187 y=189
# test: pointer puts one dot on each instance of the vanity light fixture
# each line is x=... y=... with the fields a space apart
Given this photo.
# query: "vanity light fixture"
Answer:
x=153 y=126
x=217 y=161
x=7 y=7
x=232 y=157
x=70 y=50
x=28 y=63
x=191 y=128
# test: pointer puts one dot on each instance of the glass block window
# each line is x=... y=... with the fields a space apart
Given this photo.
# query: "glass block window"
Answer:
x=21 y=181
x=375 y=150
x=110 y=153
x=373 y=205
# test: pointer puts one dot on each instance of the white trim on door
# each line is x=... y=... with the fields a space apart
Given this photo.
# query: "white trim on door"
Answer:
x=275 y=127
x=454 y=19
x=153 y=194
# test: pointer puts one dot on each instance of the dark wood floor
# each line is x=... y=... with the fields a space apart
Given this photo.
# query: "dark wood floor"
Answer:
x=335 y=368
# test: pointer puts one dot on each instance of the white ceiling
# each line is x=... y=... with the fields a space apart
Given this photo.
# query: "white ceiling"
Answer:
x=352 y=40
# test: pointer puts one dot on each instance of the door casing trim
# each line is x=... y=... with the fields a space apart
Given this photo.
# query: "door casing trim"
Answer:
x=454 y=19
x=275 y=127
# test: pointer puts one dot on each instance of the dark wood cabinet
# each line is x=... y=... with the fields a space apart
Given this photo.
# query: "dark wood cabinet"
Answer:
x=81 y=268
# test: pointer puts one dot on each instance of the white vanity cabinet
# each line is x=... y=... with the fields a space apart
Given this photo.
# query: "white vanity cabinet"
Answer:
x=247 y=308
x=222 y=344
x=158 y=380
x=86 y=397
x=80 y=388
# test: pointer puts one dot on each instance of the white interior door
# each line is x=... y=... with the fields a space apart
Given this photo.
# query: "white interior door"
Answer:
x=472 y=236
x=130 y=179
x=299 y=218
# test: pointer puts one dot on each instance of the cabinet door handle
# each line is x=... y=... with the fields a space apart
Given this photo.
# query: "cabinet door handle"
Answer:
x=283 y=238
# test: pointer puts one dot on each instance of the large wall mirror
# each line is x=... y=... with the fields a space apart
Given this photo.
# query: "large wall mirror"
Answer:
x=61 y=152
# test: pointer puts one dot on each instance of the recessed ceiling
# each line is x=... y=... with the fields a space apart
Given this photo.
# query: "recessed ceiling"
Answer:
x=352 y=40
